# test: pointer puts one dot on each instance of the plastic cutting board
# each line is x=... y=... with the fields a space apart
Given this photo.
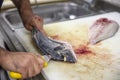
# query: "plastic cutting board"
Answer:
x=99 y=62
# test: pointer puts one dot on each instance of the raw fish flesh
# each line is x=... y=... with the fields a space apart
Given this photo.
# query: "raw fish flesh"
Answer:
x=102 y=29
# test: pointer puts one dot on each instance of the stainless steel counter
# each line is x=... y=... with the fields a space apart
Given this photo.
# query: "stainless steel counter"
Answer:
x=114 y=2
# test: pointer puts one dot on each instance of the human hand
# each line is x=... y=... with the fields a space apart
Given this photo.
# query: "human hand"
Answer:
x=35 y=21
x=24 y=63
x=29 y=19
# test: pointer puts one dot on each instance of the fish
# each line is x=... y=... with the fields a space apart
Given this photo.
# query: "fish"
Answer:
x=101 y=29
x=57 y=50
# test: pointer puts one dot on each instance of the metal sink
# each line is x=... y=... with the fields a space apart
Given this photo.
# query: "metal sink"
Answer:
x=105 y=6
x=50 y=12
x=61 y=11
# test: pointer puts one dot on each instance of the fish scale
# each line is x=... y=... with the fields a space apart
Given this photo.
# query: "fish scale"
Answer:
x=58 y=50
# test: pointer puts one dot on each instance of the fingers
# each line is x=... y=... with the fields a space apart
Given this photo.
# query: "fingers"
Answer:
x=34 y=66
x=27 y=64
x=40 y=60
x=36 y=21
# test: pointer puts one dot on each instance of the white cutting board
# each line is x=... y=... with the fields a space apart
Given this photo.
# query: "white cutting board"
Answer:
x=101 y=63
